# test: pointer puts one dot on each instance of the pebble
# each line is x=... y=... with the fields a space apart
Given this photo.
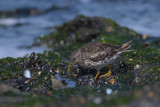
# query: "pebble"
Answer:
x=108 y=91
x=97 y=100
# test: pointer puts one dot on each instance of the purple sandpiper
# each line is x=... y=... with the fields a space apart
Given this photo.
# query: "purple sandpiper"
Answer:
x=97 y=56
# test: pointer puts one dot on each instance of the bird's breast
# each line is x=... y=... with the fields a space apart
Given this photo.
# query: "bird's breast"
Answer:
x=98 y=64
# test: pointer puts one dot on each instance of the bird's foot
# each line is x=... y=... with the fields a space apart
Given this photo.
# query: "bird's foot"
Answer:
x=96 y=75
x=106 y=75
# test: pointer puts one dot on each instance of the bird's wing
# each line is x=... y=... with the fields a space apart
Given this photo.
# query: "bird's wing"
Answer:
x=99 y=51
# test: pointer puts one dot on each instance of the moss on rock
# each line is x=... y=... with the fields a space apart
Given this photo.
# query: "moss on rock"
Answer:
x=132 y=71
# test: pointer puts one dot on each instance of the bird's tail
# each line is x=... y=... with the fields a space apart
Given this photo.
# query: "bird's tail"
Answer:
x=126 y=46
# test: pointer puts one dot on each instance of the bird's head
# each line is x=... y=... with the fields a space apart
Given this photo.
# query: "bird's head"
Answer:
x=74 y=57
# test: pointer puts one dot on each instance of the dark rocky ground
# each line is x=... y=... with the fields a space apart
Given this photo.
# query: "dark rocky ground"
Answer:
x=134 y=81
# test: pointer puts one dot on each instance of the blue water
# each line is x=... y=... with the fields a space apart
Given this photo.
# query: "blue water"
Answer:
x=140 y=15
x=70 y=83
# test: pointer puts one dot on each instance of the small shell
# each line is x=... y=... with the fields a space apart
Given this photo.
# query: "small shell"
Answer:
x=27 y=73
x=137 y=67
x=28 y=81
x=39 y=73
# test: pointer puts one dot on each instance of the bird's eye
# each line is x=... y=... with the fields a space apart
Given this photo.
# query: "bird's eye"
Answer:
x=73 y=59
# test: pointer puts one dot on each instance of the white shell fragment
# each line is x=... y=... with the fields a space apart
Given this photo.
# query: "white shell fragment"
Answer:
x=39 y=73
x=137 y=67
x=108 y=91
x=27 y=73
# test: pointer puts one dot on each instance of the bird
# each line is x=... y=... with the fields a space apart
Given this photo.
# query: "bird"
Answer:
x=97 y=55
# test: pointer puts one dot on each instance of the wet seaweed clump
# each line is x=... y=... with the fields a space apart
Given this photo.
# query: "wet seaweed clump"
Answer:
x=32 y=74
x=135 y=75
x=81 y=29
x=148 y=95
x=85 y=77
x=130 y=69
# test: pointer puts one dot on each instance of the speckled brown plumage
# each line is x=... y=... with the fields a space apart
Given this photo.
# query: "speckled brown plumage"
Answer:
x=97 y=55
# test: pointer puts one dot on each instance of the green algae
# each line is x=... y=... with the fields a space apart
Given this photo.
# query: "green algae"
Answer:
x=84 y=92
x=12 y=71
x=81 y=30
x=138 y=68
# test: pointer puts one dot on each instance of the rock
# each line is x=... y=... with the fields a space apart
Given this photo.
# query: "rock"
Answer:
x=6 y=88
x=56 y=84
x=8 y=99
x=147 y=96
x=86 y=80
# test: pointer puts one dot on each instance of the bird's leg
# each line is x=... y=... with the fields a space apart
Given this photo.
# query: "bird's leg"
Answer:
x=97 y=74
x=107 y=74
x=69 y=67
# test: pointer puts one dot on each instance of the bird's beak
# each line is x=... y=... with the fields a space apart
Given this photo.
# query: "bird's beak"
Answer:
x=69 y=67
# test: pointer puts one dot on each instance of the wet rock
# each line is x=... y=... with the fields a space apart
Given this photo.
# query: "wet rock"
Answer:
x=9 y=100
x=107 y=80
x=86 y=28
x=147 y=96
x=118 y=67
x=145 y=75
x=8 y=88
x=18 y=83
x=56 y=84
x=85 y=77
x=86 y=80
x=129 y=74
x=97 y=100
x=81 y=29
x=26 y=74
x=43 y=92
x=64 y=82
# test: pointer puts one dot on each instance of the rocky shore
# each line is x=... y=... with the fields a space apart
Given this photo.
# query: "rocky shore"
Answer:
x=32 y=81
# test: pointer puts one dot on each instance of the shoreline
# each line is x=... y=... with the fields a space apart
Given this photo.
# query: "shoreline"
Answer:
x=132 y=73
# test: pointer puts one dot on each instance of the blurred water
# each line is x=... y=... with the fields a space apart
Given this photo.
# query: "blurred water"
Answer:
x=140 y=15
x=70 y=83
